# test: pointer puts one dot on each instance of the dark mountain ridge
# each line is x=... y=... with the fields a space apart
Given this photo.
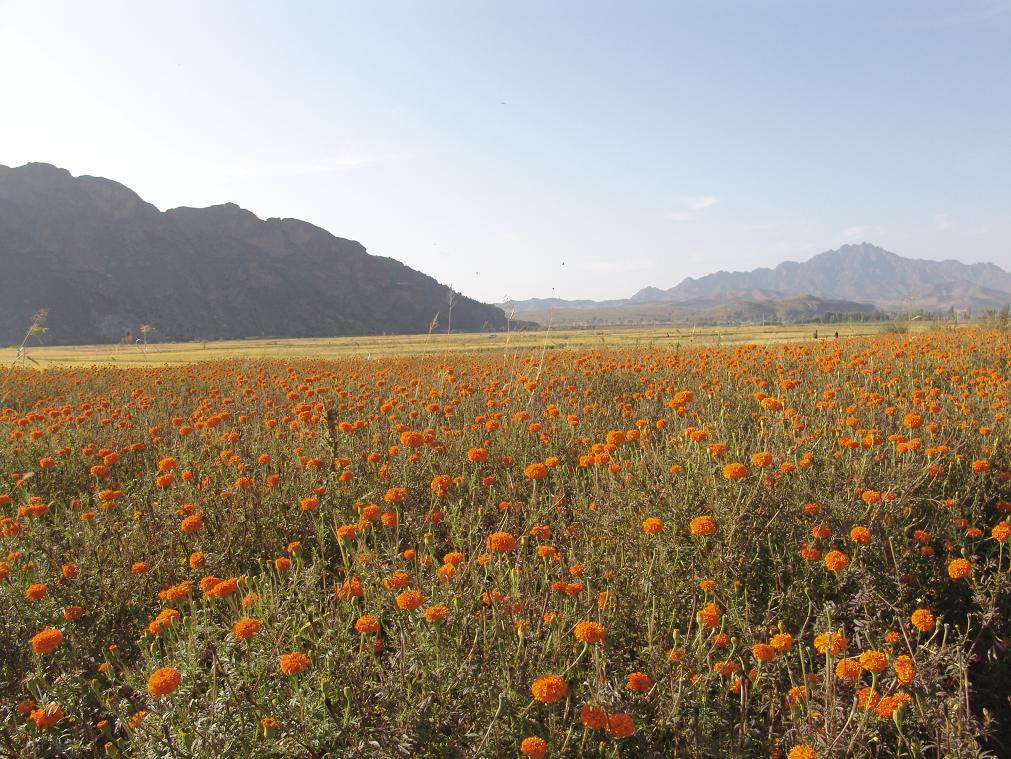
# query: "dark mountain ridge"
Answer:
x=103 y=261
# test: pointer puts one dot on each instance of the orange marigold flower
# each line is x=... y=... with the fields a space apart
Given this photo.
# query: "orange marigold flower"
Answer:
x=436 y=613
x=802 y=751
x=367 y=625
x=652 y=525
x=410 y=600
x=735 y=471
x=710 y=614
x=46 y=718
x=922 y=620
x=140 y=567
x=620 y=725
x=246 y=628
x=73 y=613
x=781 y=641
x=163 y=681
x=477 y=455
x=593 y=717
x=836 y=561
x=959 y=568
x=638 y=682
x=534 y=747
x=1001 y=531
x=834 y=643
x=904 y=669
x=501 y=542
x=35 y=591
x=860 y=534
x=192 y=523
x=763 y=652
x=549 y=688
x=874 y=661
x=702 y=525
x=589 y=632
x=536 y=471
x=848 y=670
x=47 y=640
x=293 y=663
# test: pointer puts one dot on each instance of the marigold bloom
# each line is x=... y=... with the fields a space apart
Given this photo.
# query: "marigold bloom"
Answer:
x=536 y=471
x=904 y=669
x=735 y=471
x=874 y=661
x=638 y=682
x=192 y=523
x=367 y=625
x=702 y=525
x=652 y=525
x=246 y=628
x=140 y=567
x=73 y=613
x=763 y=652
x=477 y=455
x=47 y=640
x=834 y=643
x=436 y=613
x=620 y=725
x=163 y=681
x=848 y=670
x=549 y=688
x=534 y=747
x=860 y=534
x=46 y=718
x=294 y=663
x=35 y=591
x=922 y=620
x=781 y=641
x=959 y=568
x=710 y=614
x=802 y=751
x=501 y=542
x=410 y=600
x=1001 y=531
x=836 y=561
x=589 y=632
x=593 y=717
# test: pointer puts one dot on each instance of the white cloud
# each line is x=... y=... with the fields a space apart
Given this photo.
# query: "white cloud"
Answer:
x=687 y=207
x=942 y=221
x=850 y=234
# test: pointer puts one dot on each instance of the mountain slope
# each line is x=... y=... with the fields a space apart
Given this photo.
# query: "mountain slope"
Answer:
x=103 y=261
x=853 y=272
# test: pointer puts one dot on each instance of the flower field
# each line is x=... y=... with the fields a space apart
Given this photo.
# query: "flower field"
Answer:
x=780 y=550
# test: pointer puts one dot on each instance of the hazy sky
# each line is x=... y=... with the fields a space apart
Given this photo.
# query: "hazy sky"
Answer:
x=543 y=148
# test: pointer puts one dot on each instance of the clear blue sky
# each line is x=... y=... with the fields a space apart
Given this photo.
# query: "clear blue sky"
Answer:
x=544 y=148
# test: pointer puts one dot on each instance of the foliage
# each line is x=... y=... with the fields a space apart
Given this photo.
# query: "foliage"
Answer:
x=390 y=558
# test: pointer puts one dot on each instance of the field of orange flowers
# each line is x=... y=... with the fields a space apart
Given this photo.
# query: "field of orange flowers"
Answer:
x=783 y=550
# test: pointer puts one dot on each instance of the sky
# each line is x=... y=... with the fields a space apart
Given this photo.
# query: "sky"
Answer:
x=539 y=148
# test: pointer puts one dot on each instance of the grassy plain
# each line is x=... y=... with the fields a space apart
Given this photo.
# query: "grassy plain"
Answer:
x=163 y=354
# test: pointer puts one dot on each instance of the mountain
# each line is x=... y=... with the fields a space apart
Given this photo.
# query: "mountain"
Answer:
x=719 y=310
x=855 y=279
x=103 y=261
x=861 y=272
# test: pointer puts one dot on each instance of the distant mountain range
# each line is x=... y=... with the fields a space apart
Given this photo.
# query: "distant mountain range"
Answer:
x=104 y=262
x=853 y=279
